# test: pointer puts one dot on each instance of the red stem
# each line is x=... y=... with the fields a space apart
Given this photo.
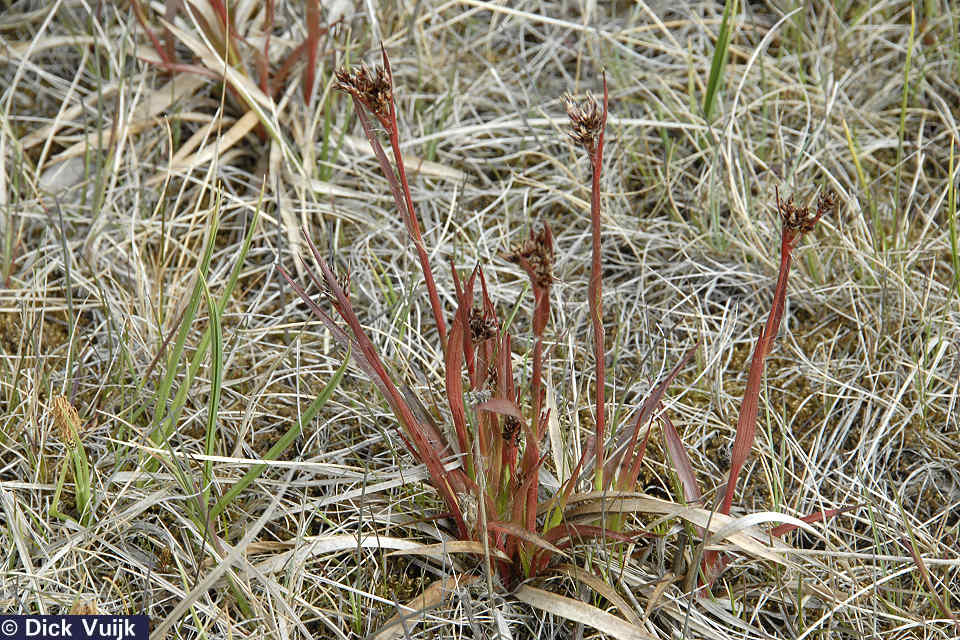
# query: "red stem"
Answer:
x=453 y=372
x=506 y=390
x=747 y=421
x=422 y=447
x=536 y=384
x=413 y=225
x=312 y=42
x=162 y=51
x=595 y=294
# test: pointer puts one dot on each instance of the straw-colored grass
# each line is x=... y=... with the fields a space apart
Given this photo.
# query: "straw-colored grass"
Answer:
x=122 y=181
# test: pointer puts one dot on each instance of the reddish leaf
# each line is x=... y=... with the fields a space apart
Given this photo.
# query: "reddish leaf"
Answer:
x=517 y=531
x=747 y=421
x=623 y=450
x=427 y=449
x=680 y=460
x=312 y=42
x=931 y=590
x=501 y=406
x=582 y=531
x=452 y=369
x=162 y=51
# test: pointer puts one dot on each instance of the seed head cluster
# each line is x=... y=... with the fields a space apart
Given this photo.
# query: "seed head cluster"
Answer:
x=826 y=203
x=491 y=378
x=482 y=326
x=371 y=88
x=511 y=430
x=586 y=121
x=802 y=219
x=535 y=256
x=343 y=281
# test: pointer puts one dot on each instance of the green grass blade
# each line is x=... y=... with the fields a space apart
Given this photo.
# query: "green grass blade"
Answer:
x=903 y=122
x=285 y=440
x=68 y=287
x=216 y=381
x=719 y=62
x=83 y=484
x=952 y=215
x=515 y=309
x=180 y=398
x=159 y=435
x=866 y=185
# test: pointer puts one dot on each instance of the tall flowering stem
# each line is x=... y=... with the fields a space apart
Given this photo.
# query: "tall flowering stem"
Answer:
x=587 y=128
x=535 y=256
x=373 y=90
x=412 y=221
x=795 y=221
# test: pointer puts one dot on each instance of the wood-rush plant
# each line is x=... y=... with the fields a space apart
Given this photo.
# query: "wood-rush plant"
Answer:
x=494 y=496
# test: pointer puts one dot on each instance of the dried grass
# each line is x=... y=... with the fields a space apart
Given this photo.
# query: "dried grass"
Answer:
x=858 y=406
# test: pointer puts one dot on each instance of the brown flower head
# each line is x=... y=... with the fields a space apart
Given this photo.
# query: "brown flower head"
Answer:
x=586 y=122
x=826 y=203
x=371 y=88
x=535 y=256
x=482 y=326
x=84 y=608
x=511 y=430
x=802 y=219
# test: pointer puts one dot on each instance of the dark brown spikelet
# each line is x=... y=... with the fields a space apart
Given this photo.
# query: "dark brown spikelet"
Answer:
x=511 y=430
x=826 y=203
x=482 y=326
x=802 y=219
x=491 y=378
x=371 y=88
x=586 y=121
x=343 y=279
x=535 y=256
